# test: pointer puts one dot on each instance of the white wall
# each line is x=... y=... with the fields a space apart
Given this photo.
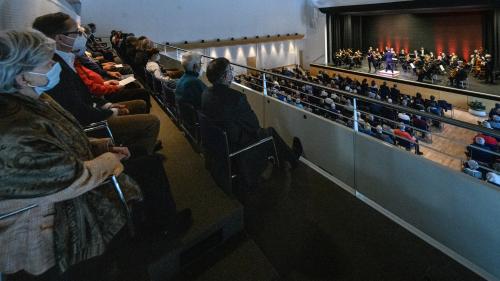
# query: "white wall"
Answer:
x=193 y=20
x=314 y=44
x=20 y=14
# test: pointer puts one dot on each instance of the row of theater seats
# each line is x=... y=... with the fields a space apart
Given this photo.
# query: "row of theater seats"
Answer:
x=85 y=93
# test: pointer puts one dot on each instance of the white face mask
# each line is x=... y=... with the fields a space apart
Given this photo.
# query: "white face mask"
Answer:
x=52 y=77
x=79 y=46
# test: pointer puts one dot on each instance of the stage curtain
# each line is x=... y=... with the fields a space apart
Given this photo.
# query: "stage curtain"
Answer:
x=491 y=36
x=344 y=31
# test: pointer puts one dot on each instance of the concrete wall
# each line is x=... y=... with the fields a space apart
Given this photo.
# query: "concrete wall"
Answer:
x=448 y=209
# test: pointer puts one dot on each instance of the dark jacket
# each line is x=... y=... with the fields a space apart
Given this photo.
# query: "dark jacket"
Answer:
x=72 y=94
x=229 y=109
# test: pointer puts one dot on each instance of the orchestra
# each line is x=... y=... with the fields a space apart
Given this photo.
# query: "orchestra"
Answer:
x=422 y=63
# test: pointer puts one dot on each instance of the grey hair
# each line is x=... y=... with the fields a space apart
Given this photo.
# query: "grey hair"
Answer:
x=22 y=51
x=189 y=60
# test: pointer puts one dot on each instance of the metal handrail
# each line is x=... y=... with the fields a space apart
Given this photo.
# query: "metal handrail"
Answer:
x=447 y=120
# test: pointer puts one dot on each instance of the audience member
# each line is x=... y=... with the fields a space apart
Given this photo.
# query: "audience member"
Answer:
x=230 y=110
x=74 y=221
x=189 y=87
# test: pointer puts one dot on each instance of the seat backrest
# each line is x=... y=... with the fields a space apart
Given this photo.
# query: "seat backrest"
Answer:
x=216 y=151
x=157 y=84
x=148 y=76
x=189 y=119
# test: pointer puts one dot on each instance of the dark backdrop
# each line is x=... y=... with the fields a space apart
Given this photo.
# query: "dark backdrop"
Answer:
x=460 y=33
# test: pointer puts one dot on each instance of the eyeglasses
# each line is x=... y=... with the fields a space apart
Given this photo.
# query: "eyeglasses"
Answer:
x=78 y=32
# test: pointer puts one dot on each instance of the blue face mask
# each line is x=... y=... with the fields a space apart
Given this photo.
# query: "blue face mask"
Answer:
x=52 y=78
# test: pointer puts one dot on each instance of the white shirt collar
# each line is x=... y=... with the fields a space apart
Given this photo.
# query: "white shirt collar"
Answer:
x=69 y=58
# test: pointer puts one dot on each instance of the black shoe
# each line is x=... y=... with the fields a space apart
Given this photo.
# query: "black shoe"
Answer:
x=297 y=147
x=420 y=153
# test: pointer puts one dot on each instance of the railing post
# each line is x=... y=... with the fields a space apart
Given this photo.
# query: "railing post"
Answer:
x=264 y=84
x=355 y=117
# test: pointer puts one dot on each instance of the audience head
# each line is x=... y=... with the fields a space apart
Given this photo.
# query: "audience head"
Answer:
x=379 y=129
x=496 y=118
x=402 y=126
x=472 y=164
x=493 y=178
x=60 y=27
x=153 y=54
x=219 y=71
x=486 y=124
x=191 y=61
x=92 y=27
x=25 y=62
x=479 y=140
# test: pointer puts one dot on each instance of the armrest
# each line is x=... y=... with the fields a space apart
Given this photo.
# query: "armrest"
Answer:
x=13 y=213
x=262 y=141
x=102 y=125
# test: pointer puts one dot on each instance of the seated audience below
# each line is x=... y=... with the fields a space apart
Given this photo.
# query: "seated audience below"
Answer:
x=229 y=109
x=76 y=219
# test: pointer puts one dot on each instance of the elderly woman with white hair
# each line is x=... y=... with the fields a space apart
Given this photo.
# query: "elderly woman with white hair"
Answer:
x=190 y=87
x=46 y=160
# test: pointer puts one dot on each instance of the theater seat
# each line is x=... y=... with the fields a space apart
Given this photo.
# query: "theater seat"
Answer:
x=218 y=157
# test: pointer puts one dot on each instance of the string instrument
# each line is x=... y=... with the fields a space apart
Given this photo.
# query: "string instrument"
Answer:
x=453 y=72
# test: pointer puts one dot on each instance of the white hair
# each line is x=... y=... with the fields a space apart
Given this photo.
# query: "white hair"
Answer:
x=22 y=51
x=190 y=59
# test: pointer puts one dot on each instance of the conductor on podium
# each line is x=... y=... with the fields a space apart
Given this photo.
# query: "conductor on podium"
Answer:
x=388 y=60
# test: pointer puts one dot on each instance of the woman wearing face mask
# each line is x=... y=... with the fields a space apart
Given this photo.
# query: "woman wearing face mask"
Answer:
x=153 y=67
x=46 y=159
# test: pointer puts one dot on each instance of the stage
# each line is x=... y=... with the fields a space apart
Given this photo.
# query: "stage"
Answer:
x=474 y=84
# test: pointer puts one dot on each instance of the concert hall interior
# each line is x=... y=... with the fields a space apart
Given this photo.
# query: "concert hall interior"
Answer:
x=262 y=140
